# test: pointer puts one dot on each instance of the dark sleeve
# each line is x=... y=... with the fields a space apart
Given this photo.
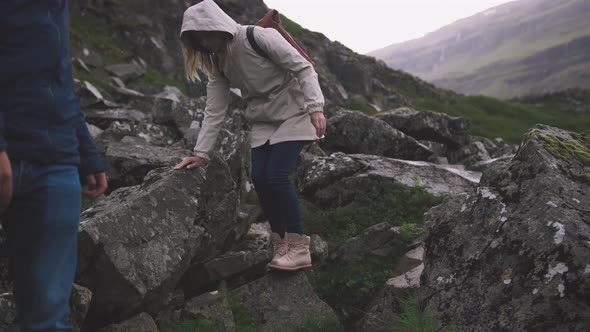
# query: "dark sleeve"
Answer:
x=90 y=162
x=2 y=140
x=3 y=27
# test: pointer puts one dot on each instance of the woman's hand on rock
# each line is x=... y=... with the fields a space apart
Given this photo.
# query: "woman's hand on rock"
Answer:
x=191 y=162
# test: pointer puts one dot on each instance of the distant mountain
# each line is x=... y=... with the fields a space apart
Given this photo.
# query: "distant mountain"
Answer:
x=519 y=48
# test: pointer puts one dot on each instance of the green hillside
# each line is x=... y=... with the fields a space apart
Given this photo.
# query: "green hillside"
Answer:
x=491 y=117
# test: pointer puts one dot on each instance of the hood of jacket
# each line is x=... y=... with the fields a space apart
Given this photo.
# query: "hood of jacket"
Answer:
x=207 y=16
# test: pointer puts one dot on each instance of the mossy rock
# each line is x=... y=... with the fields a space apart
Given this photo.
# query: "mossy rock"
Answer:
x=576 y=148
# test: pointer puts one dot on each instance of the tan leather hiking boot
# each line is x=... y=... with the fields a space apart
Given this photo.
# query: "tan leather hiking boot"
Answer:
x=297 y=256
x=279 y=246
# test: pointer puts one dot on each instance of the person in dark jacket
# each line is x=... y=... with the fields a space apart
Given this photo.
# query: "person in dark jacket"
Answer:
x=45 y=149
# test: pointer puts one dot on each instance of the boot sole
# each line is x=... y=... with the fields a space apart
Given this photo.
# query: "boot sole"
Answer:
x=281 y=268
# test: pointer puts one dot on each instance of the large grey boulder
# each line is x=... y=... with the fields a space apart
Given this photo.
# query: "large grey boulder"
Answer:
x=355 y=132
x=212 y=306
x=321 y=174
x=280 y=301
x=248 y=248
x=233 y=146
x=429 y=126
x=514 y=255
x=138 y=323
x=183 y=114
x=135 y=245
x=129 y=160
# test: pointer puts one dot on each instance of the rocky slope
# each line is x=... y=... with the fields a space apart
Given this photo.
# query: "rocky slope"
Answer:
x=519 y=48
x=169 y=250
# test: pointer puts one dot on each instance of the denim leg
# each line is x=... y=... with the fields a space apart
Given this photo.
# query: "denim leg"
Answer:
x=260 y=157
x=42 y=227
x=281 y=162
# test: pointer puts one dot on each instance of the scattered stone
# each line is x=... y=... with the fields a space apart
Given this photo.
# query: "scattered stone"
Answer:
x=126 y=71
x=79 y=304
x=104 y=118
x=94 y=130
x=171 y=93
x=318 y=249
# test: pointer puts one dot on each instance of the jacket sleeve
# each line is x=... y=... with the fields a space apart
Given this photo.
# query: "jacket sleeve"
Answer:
x=90 y=162
x=3 y=144
x=215 y=110
x=287 y=57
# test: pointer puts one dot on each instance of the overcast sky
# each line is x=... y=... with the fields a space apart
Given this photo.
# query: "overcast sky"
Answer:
x=368 y=25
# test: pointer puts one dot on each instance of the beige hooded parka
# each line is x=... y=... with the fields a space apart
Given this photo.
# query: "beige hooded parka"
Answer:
x=280 y=92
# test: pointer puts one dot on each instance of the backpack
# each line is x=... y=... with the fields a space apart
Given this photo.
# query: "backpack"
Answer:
x=273 y=20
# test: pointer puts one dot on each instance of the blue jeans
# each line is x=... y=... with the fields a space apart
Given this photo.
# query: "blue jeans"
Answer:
x=271 y=166
x=42 y=227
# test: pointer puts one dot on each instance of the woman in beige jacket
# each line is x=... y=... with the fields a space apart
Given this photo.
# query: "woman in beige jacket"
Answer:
x=285 y=110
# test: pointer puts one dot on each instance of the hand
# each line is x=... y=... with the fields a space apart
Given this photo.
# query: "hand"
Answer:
x=5 y=181
x=97 y=184
x=319 y=122
x=191 y=162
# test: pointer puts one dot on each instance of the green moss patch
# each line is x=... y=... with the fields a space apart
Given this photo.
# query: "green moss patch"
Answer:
x=99 y=36
x=578 y=148
x=243 y=319
x=154 y=79
x=413 y=319
x=371 y=202
x=359 y=105
x=348 y=288
x=330 y=325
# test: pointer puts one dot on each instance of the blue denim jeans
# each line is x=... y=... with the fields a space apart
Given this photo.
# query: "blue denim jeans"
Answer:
x=271 y=166
x=42 y=227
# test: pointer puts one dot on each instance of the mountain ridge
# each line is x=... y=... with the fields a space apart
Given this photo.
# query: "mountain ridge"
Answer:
x=503 y=38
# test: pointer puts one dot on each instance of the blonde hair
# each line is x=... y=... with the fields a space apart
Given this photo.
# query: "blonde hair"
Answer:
x=195 y=59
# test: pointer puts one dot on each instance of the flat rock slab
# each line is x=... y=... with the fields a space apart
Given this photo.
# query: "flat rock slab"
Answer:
x=436 y=179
